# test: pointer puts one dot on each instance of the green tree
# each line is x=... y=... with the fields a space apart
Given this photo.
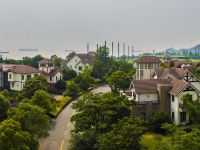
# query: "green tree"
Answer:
x=97 y=114
x=33 y=119
x=13 y=138
x=44 y=100
x=4 y=105
x=68 y=74
x=102 y=54
x=61 y=85
x=192 y=107
x=156 y=120
x=35 y=60
x=118 y=81
x=56 y=60
x=72 y=90
x=125 y=135
x=32 y=85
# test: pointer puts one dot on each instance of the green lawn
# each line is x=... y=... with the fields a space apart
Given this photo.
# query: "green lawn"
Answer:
x=60 y=104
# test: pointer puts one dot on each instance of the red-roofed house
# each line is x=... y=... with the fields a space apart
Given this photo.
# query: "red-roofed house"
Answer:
x=48 y=69
x=19 y=74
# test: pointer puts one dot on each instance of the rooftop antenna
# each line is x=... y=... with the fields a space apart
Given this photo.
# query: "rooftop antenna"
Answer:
x=112 y=49
x=118 y=49
x=88 y=47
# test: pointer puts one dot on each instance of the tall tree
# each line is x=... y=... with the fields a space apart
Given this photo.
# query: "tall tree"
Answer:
x=33 y=119
x=4 y=104
x=32 y=85
x=13 y=138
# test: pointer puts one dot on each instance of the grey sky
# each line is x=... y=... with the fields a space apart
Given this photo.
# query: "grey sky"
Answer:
x=70 y=24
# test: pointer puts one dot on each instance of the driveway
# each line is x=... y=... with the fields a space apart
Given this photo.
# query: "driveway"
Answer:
x=59 y=134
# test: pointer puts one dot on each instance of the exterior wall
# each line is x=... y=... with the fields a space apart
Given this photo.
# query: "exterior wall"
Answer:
x=144 y=71
x=75 y=64
x=175 y=107
x=147 y=97
x=16 y=82
x=55 y=78
x=196 y=85
x=46 y=68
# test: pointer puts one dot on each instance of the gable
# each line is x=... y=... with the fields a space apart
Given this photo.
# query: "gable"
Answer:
x=189 y=87
x=168 y=75
x=189 y=77
x=74 y=60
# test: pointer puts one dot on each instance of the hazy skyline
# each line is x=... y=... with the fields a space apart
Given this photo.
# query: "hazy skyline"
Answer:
x=70 y=24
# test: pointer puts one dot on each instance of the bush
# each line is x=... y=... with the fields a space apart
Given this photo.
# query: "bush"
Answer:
x=68 y=74
x=72 y=90
x=156 y=120
x=61 y=85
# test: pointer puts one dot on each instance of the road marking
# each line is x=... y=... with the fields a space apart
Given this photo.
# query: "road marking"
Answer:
x=61 y=145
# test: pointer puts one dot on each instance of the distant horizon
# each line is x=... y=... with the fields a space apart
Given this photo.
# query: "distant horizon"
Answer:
x=71 y=24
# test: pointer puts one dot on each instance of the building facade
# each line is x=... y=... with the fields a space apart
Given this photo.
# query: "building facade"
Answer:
x=145 y=66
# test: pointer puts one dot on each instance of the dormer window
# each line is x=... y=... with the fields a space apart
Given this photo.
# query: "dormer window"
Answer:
x=10 y=76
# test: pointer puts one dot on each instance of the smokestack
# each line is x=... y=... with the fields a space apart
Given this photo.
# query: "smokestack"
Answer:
x=132 y=51
x=124 y=49
x=128 y=51
x=112 y=49
x=105 y=43
x=87 y=47
x=118 y=49
x=97 y=46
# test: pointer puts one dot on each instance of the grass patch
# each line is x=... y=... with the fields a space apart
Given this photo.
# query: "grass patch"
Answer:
x=148 y=140
x=61 y=102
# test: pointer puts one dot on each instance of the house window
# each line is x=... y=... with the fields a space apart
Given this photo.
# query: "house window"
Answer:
x=12 y=84
x=172 y=98
x=141 y=73
x=28 y=76
x=70 y=66
x=60 y=77
x=172 y=116
x=10 y=76
x=80 y=68
x=183 y=116
x=22 y=77
x=50 y=78
x=56 y=78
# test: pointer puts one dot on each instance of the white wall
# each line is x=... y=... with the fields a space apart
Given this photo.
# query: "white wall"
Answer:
x=46 y=68
x=146 y=97
x=55 y=78
x=175 y=107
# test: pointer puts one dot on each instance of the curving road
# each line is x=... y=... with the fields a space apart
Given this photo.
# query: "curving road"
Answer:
x=59 y=135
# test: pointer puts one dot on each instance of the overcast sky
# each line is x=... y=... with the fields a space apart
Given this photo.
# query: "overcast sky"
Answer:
x=70 y=24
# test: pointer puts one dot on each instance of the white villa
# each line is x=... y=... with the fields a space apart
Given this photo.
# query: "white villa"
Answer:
x=48 y=69
x=145 y=66
x=164 y=89
x=19 y=74
x=78 y=62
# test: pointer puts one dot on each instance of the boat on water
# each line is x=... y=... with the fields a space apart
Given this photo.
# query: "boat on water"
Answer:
x=28 y=49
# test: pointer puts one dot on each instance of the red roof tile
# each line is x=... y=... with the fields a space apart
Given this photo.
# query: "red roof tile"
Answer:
x=148 y=59
x=45 y=61
x=23 y=69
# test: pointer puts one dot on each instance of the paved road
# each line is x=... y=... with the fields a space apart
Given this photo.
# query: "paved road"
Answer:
x=59 y=134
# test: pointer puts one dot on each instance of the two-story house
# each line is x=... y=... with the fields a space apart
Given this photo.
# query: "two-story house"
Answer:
x=145 y=66
x=19 y=74
x=78 y=62
x=48 y=69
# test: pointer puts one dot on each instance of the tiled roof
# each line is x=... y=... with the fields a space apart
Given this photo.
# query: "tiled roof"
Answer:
x=176 y=72
x=178 y=64
x=23 y=69
x=85 y=57
x=148 y=59
x=177 y=86
x=54 y=72
x=148 y=85
x=45 y=61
